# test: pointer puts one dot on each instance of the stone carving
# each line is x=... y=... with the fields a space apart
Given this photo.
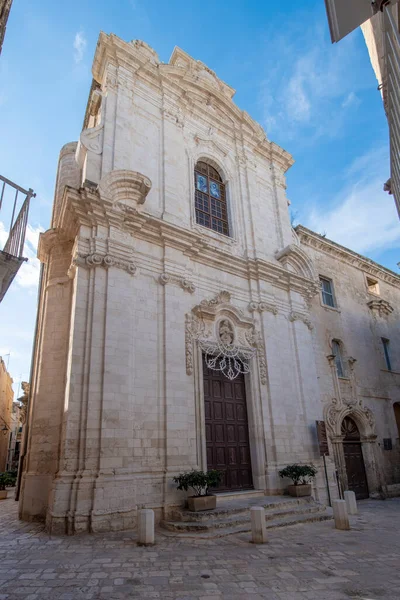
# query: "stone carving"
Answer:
x=228 y=339
x=97 y=260
x=255 y=339
x=24 y=400
x=382 y=307
x=225 y=333
x=92 y=139
x=296 y=316
x=184 y=283
x=187 y=285
x=263 y=307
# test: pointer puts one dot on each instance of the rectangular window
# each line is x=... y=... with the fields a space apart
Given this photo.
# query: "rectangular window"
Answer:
x=327 y=292
x=373 y=286
x=386 y=352
x=337 y=352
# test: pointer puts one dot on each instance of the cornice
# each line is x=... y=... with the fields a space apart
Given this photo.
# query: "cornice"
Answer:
x=314 y=240
x=84 y=207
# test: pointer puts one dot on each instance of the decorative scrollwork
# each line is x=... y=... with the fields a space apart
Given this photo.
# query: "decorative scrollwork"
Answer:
x=227 y=338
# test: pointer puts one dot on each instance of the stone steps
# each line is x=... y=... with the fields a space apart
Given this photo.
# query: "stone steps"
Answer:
x=234 y=516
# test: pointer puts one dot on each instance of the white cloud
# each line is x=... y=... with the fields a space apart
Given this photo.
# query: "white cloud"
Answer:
x=315 y=83
x=350 y=100
x=80 y=44
x=363 y=217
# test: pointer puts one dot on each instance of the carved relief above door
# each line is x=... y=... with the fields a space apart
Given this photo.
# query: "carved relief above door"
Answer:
x=227 y=338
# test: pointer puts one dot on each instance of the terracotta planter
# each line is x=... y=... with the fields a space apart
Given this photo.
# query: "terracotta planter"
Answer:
x=3 y=494
x=300 y=490
x=197 y=503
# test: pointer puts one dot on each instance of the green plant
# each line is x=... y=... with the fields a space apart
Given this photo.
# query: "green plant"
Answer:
x=299 y=474
x=5 y=480
x=13 y=477
x=198 y=481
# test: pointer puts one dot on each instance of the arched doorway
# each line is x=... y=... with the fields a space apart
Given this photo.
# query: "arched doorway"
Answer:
x=355 y=468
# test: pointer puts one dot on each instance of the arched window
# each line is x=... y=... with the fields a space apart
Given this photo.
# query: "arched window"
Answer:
x=337 y=352
x=210 y=198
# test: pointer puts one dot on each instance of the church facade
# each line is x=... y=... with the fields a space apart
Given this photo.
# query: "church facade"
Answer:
x=183 y=323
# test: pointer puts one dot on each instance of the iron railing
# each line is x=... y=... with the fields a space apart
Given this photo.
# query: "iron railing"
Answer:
x=392 y=57
x=19 y=217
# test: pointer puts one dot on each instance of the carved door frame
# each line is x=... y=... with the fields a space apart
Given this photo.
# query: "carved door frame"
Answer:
x=253 y=382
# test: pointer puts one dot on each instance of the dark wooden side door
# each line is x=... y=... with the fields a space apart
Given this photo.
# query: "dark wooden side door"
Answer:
x=355 y=468
x=227 y=430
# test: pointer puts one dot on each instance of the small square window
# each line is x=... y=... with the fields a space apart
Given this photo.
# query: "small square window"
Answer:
x=373 y=286
x=327 y=292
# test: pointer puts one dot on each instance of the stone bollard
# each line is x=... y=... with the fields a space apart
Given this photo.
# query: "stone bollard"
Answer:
x=145 y=527
x=351 y=502
x=258 y=526
x=340 y=514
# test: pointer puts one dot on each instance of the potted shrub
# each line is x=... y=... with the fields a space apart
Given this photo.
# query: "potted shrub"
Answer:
x=301 y=476
x=199 y=482
x=5 y=480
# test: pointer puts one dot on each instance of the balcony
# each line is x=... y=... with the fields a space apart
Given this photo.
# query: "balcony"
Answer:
x=14 y=210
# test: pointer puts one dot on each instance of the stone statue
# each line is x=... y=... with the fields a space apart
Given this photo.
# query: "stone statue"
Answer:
x=226 y=333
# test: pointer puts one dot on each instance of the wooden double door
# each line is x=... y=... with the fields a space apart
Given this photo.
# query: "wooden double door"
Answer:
x=227 y=429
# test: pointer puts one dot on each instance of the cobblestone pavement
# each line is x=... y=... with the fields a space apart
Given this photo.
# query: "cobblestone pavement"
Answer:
x=311 y=561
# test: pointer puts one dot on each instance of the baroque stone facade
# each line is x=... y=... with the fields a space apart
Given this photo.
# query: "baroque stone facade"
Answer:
x=138 y=298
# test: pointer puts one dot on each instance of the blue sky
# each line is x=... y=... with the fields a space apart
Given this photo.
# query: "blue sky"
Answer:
x=317 y=100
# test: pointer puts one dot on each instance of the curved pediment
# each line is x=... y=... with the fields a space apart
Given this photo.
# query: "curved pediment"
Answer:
x=294 y=259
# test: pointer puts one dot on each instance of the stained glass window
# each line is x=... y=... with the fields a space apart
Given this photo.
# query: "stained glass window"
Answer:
x=210 y=198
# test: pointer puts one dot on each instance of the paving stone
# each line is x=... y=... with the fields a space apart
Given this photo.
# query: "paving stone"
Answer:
x=309 y=561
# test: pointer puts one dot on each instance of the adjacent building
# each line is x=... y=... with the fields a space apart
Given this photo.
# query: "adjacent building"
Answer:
x=380 y=24
x=183 y=323
x=6 y=407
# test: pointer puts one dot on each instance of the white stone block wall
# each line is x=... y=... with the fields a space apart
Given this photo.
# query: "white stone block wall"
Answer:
x=117 y=403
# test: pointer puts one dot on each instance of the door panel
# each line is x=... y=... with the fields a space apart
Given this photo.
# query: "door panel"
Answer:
x=227 y=430
x=356 y=477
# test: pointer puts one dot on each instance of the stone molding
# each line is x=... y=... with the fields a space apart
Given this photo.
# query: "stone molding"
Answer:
x=314 y=240
x=201 y=325
x=263 y=307
x=296 y=316
x=102 y=260
x=185 y=284
x=86 y=207
x=125 y=187
x=292 y=257
x=48 y=240
x=336 y=411
x=381 y=307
